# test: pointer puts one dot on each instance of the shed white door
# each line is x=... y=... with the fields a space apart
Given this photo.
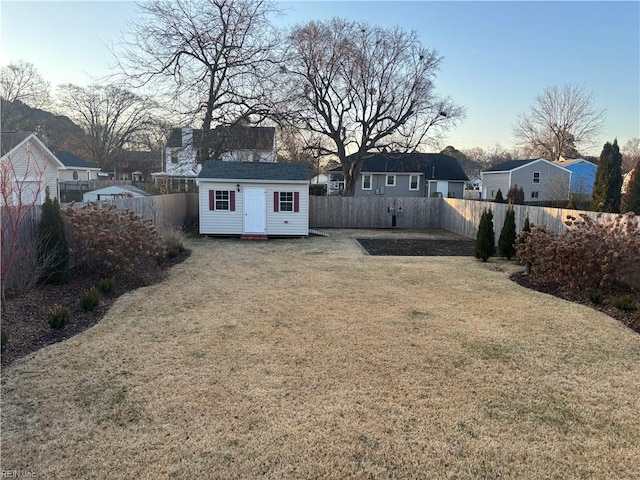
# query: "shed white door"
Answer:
x=255 y=210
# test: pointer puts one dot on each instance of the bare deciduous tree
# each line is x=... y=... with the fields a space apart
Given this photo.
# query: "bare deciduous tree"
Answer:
x=363 y=88
x=112 y=118
x=21 y=82
x=561 y=120
x=210 y=58
x=630 y=154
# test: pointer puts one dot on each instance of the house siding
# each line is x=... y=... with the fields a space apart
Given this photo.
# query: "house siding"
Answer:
x=379 y=186
x=66 y=175
x=553 y=186
x=231 y=223
x=494 y=181
x=554 y=182
x=28 y=161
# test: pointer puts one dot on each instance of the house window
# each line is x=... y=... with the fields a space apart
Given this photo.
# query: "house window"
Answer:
x=391 y=181
x=366 y=182
x=223 y=200
x=174 y=157
x=536 y=177
x=414 y=182
x=534 y=194
x=286 y=201
x=75 y=175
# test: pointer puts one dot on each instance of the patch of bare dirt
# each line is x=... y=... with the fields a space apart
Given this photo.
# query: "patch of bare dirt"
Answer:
x=24 y=318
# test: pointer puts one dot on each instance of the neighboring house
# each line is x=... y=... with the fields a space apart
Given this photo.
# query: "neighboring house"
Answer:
x=75 y=169
x=583 y=175
x=320 y=179
x=29 y=167
x=254 y=200
x=542 y=180
x=112 y=192
x=75 y=177
x=234 y=144
x=407 y=175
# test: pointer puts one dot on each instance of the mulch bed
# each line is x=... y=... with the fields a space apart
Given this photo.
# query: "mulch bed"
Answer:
x=24 y=318
x=417 y=247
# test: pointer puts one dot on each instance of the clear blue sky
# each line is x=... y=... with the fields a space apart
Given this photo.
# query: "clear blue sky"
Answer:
x=497 y=55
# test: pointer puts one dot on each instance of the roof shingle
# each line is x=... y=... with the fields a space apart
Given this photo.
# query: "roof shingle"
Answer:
x=215 y=169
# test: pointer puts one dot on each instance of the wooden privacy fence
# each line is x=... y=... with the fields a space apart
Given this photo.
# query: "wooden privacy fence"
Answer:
x=455 y=215
x=165 y=211
x=373 y=212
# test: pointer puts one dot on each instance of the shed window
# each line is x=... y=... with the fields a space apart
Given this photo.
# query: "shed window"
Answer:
x=414 y=182
x=391 y=180
x=286 y=201
x=536 y=177
x=222 y=200
x=366 y=181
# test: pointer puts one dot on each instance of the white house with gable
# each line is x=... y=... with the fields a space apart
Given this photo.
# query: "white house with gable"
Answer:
x=227 y=143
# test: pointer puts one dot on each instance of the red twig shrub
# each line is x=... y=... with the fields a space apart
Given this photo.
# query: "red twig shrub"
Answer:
x=600 y=254
x=112 y=242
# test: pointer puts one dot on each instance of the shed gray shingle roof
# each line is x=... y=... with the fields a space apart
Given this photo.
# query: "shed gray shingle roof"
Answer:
x=215 y=169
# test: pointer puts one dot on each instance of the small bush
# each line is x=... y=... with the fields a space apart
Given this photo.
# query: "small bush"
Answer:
x=90 y=299
x=4 y=340
x=507 y=240
x=59 y=316
x=485 y=246
x=53 y=252
x=624 y=303
x=499 y=197
x=601 y=254
x=595 y=297
x=107 y=285
x=113 y=242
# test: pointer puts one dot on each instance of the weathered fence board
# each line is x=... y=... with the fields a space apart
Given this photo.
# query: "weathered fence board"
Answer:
x=373 y=212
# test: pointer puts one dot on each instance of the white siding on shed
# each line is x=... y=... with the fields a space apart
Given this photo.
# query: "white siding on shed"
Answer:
x=213 y=222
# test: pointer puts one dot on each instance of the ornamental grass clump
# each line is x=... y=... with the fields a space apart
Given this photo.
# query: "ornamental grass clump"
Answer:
x=590 y=255
x=173 y=242
x=90 y=299
x=59 y=316
x=107 y=285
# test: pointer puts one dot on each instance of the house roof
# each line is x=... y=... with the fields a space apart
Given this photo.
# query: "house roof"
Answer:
x=126 y=188
x=215 y=169
x=229 y=138
x=71 y=160
x=515 y=164
x=9 y=140
x=510 y=165
x=435 y=166
x=12 y=140
x=573 y=161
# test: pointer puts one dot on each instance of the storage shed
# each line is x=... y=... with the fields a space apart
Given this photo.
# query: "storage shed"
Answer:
x=112 y=192
x=254 y=199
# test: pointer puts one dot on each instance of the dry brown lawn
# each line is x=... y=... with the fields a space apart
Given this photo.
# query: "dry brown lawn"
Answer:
x=306 y=358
